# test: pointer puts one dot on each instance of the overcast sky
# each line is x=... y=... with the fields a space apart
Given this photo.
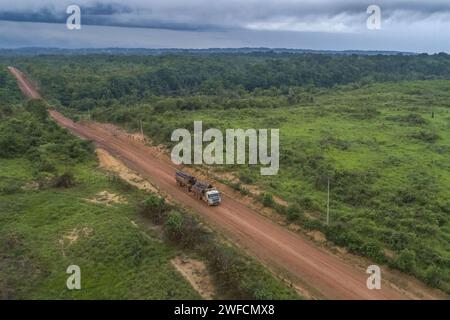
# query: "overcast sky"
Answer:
x=406 y=25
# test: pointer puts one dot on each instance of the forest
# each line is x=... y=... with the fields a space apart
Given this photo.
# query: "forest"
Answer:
x=234 y=80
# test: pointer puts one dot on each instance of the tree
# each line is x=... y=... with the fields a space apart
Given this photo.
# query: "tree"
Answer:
x=406 y=260
x=174 y=225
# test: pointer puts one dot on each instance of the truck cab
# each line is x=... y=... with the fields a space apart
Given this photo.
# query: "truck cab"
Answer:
x=213 y=197
x=202 y=190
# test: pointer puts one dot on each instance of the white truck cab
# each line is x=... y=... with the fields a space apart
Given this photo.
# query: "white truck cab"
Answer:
x=213 y=197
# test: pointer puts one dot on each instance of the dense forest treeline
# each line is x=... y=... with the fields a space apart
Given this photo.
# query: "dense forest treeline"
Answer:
x=84 y=82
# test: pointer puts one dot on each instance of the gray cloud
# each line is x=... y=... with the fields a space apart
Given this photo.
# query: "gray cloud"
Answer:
x=407 y=25
x=324 y=15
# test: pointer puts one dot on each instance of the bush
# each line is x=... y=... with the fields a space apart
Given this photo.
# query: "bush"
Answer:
x=245 y=178
x=406 y=260
x=373 y=250
x=353 y=187
x=425 y=136
x=240 y=188
x=293 y=212
x=227 y=267
x=45 y=165
x=154 y=207
x=66 y=180
x=174 y=226
x=11 y=188
x=412 y=118
x=194 y=234
x=267 y=200
x=433 y=276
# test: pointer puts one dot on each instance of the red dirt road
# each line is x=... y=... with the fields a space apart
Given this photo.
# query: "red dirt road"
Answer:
x=323 y=274
x=26 y=87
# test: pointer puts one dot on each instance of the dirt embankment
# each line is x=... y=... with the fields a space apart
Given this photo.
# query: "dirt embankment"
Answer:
x=116 y=166
x=195 y=272
x=321 y=273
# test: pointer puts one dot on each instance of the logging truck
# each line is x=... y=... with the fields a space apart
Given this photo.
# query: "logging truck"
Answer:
x=201 y=190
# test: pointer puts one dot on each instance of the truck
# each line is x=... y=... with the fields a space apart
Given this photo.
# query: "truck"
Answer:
x=202 y=190
x=185 y=180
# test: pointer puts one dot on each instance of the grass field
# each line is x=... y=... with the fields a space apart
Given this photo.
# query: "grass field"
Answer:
x=385 y=148
x=57 y=208
x=382 y=140
x=43 y=232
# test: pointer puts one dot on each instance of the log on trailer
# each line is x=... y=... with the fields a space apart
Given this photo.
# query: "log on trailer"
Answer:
x=202 y=191
x=185 y=180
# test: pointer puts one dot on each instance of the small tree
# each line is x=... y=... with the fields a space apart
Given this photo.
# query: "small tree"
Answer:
x=406 y=260
x=293 y=212
x=174 y=226
x=66 y=180
x=433 y=276
x=267 y=200
x=154 y=207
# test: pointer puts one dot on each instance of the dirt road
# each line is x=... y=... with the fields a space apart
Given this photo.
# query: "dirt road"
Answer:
x=27 y=88
x=323 y=274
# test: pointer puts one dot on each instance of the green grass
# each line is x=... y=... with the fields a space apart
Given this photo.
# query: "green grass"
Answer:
x=387 y=157
x=44 y=227
x=117 y=261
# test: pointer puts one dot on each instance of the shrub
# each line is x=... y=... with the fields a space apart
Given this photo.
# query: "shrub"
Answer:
x=245 y=177
x=185 y=230
x=292 y=215
x=154 y=207
x=193 y=234
x=293 y=212
x=11 y=188
x=267 y=200
x=66 y=180
x=412 y=118
x=240 y=188
x=45 y=165
x=174 y=226
x=372 y=250
x=425 y=136
x=406 y=260
x=353 y=187
x=227 y=267
x=256 y=290
x=433 y=276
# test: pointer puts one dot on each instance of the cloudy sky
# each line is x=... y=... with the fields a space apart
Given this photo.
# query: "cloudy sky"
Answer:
x=406 y=25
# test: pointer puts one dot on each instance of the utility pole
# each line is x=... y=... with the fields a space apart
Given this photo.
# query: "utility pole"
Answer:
x=142 y=131
x=328 y=203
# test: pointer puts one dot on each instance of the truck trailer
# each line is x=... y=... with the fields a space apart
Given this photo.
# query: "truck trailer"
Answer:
x=201 y=190
x=185 y=180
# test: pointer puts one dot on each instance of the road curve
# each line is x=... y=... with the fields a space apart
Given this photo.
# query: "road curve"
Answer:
x=326 y=275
